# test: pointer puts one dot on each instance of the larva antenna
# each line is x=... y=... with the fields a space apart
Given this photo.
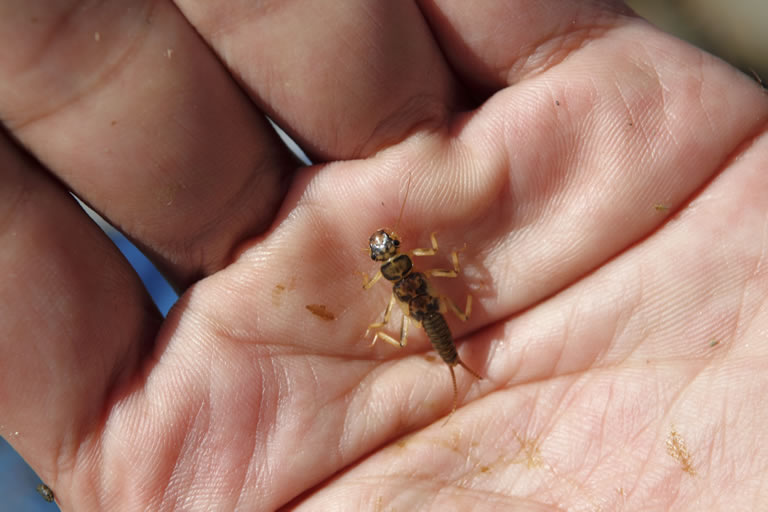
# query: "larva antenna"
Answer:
x=405 y=200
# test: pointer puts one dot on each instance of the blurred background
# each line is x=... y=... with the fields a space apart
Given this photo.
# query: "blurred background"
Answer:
x=733 y=30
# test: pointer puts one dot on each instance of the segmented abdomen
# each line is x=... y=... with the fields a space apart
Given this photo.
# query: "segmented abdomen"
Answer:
x=440 y=336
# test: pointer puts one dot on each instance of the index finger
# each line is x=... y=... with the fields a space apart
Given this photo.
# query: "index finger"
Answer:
x=125 y=103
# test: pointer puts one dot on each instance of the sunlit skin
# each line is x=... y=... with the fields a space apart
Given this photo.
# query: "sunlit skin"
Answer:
x=539 y=134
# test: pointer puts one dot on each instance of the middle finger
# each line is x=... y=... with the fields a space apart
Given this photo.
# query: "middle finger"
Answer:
x=343 y=78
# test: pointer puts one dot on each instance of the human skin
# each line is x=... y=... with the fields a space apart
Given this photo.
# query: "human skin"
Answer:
x=608 y=180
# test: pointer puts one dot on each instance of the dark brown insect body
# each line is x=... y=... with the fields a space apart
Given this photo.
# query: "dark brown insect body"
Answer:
x=414 y=293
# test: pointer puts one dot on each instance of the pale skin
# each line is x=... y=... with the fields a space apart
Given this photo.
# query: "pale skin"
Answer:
x=623 y=347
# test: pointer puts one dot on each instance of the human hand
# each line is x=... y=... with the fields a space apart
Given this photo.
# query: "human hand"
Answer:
x=607 y=179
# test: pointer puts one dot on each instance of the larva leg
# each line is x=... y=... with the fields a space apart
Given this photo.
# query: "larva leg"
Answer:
x=404 y=323
x=367 y=283
x=428 y=252
x=439 y=272
x=389 y=339
x=384 y=321
x=462 y=315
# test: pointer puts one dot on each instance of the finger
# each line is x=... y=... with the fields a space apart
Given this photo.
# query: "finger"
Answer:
x=343 y=78
x=74 y=318
x=129 y=107
x=504 y=42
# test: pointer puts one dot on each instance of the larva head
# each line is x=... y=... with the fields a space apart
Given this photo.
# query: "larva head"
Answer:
x=383 y=245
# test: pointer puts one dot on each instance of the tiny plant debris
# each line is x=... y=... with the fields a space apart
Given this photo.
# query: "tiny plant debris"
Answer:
x=277 y=293
x=529 y=453
x=678 y=450
x=659 y=207
x=319 y=310
x=714 y=342
x=759 y=80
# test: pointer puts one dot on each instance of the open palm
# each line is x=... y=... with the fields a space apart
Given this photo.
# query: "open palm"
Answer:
x=609 y=183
